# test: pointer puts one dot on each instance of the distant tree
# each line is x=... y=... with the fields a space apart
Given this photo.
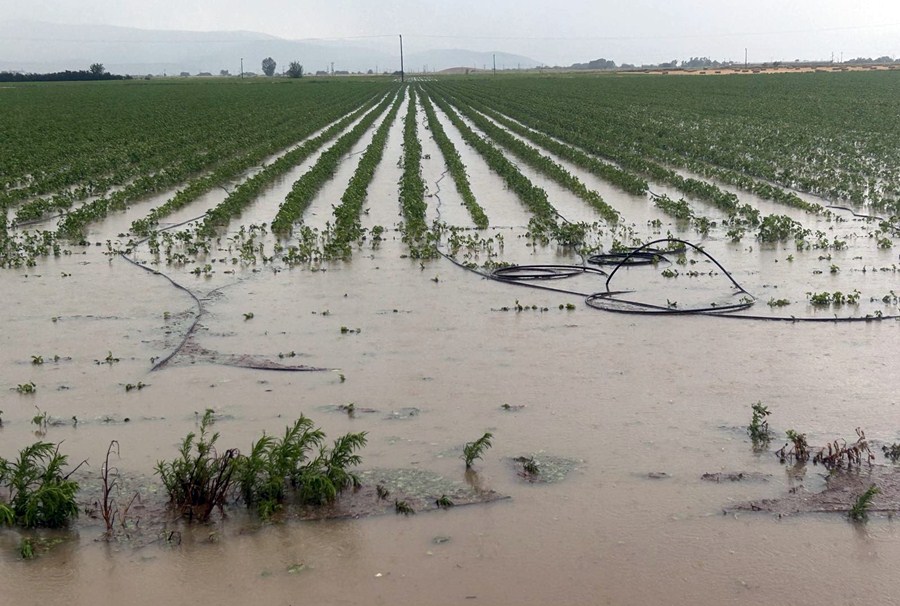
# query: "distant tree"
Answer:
x=97 y=69
x=224 y=72
x=185 y=74
x=295 y=70
x=268 y=66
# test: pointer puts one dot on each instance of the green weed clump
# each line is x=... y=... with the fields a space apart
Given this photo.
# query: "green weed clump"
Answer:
x=199 y=480
x=297 y=462
x=39 y=494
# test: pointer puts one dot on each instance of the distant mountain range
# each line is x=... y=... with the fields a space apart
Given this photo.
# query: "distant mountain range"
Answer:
x=45 y=47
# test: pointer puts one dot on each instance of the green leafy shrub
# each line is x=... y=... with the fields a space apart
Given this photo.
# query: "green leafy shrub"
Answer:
x=300 y=462
x=39 y=494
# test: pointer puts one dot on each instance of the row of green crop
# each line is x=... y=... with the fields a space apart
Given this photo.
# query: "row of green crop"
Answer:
x=231 y=169
x=540 y=162
x=347 y=226
x=614 y=175
x=307 y=186
x=245 y=193
x=454 y=165
x=412 y=186
x=539 y=114
x=80 y=140
x=533 y=197
x=822 y=133
x=73 y=224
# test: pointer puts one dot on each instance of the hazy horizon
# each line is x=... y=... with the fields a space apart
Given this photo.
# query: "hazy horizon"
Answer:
x=643 y=31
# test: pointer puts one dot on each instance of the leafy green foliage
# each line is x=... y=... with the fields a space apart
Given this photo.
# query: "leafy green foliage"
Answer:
x=534 y=198
x=475 y=450
x=347 y=226
x=540 y=162
x=412 y=187
x=39 y=493
x=779 y=228
x=455 y=165
x=759 y=426
x=198 y=480
x=307 y=186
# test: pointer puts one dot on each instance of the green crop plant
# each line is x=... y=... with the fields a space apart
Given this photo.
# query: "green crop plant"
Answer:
x=402 y=507
x=444 y=502
x=860 y=509
x=475 y=450
x=382 y=492
x=37 y=360
x=26 y=548
x=530 y=467
x=26 y=388
x=759 y=426
x=39 y=493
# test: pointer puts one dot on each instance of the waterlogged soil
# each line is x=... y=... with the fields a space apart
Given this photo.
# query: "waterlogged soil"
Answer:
x=624 y=415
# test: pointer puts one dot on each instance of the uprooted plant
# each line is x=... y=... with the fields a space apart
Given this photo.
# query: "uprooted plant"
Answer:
x=836 y=453
x=300 y=462
x=37 y=491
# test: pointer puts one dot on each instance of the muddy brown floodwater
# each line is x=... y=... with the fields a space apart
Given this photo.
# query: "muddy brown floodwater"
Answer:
x=627 y=413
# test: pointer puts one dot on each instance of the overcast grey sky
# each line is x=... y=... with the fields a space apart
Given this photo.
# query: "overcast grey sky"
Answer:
x=559 y=32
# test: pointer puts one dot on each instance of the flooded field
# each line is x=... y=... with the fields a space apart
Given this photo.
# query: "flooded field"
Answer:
x=622 y=414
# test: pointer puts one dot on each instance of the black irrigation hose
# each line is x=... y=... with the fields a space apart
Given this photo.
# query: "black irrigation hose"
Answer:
x=894 y=228
x=200 y=310
x=515 y=273
x=532 y=275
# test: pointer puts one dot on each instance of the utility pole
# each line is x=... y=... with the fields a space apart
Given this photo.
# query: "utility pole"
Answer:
x=495 y=64
x=402 y=73
x=745 y=57
x=242 y=68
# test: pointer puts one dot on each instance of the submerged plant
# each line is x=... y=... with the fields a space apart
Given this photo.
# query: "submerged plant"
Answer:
x=892 y=451
x=474 y=450
x=444 y=502
x=759 y=426
x=26 y=388
x=299 y=462
x=860 y=510
x=403 y=507
x=38 y=491
x=26 y=548
x=198 y=481
x=799 y=447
